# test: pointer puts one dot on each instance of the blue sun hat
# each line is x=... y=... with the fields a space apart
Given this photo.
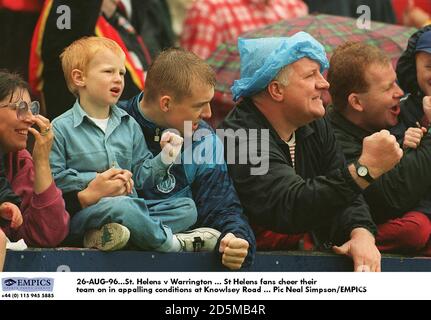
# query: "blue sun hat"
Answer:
x=263 y=58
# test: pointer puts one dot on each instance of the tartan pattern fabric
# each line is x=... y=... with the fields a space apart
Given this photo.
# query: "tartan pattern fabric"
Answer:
x=331 y=31
x=212 y=22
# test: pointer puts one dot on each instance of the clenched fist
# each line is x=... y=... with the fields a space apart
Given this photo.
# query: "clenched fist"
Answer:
x=380 y=153
x=171 y=144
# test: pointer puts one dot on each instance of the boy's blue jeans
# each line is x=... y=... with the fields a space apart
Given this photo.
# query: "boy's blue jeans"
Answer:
x=151 y=222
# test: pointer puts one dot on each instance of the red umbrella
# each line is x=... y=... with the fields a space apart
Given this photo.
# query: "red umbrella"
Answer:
x=331 y=31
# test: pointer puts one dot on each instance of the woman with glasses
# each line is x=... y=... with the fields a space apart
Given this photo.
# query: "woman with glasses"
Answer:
x=45 y=220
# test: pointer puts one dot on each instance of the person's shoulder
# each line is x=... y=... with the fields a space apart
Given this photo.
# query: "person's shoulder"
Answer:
x=127 y=119
x=320 y=125
x=204 y=125
x=131 y=105
x=126 y=104
x=241 y=117
x=64 y=119
x=204 y=133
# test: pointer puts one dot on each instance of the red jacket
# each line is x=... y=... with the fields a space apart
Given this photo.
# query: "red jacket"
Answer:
x=45 y=219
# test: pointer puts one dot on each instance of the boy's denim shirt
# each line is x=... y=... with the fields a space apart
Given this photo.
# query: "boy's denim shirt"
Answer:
x=81 y=150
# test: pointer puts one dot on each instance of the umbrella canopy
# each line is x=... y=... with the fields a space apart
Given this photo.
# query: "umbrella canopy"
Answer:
x=331 y=31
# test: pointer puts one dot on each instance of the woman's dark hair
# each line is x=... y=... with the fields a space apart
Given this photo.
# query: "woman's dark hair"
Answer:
x=9 y=82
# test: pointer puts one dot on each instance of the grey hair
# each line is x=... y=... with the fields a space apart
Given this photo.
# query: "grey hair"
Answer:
x=283 y=75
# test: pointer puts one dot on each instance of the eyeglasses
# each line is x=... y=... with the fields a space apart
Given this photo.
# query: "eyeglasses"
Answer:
x=23 y=108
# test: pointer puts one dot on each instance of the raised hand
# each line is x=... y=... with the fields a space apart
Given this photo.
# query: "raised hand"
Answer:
x=380 y=153
x=171 y=144
x=413 y=137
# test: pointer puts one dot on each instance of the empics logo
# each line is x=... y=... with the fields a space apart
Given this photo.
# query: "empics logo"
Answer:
x=28 y=284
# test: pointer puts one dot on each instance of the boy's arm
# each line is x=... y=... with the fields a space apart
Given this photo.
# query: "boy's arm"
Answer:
x=111 y=183
x=67 y=179
x=147 y=169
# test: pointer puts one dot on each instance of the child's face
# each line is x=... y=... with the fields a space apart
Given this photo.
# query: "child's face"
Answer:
x=423 y=71
x=103 y=79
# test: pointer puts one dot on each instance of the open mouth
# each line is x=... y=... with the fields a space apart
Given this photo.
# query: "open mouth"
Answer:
x=115 y=91
x=395 y=110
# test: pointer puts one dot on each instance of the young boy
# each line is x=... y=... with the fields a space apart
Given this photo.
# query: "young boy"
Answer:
x=97 y=149
x=9 y=210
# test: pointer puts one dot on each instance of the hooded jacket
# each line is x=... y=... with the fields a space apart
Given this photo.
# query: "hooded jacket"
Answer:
x=411 y=105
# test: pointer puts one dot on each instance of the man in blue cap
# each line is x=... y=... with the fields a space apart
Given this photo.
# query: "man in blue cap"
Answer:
x=307 y=187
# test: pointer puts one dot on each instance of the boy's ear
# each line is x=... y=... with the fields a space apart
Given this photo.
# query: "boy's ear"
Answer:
x=355 y=102
x=78 y=78
x=164 y=103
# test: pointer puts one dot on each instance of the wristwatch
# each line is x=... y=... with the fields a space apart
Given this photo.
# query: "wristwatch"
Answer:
x=363 y=172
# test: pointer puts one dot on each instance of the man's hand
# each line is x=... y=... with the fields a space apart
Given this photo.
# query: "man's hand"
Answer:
x=380 y=153
x=11 y=212
x=362 y=249
x=171 y=144
x=234 y=251
x=413 y=137
x=111 y=183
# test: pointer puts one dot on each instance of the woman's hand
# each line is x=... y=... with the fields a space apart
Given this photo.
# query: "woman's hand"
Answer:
x=41 y=150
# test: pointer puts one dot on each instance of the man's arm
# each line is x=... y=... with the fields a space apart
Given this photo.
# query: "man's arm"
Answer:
x=283 y=201
x=380 y=153
x=219 y=207
x=362 y=249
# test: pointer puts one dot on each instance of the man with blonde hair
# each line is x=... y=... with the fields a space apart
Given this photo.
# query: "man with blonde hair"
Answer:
x=179 y=88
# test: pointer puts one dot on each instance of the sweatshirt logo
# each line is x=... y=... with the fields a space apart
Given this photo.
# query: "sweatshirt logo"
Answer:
x=166 y=182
